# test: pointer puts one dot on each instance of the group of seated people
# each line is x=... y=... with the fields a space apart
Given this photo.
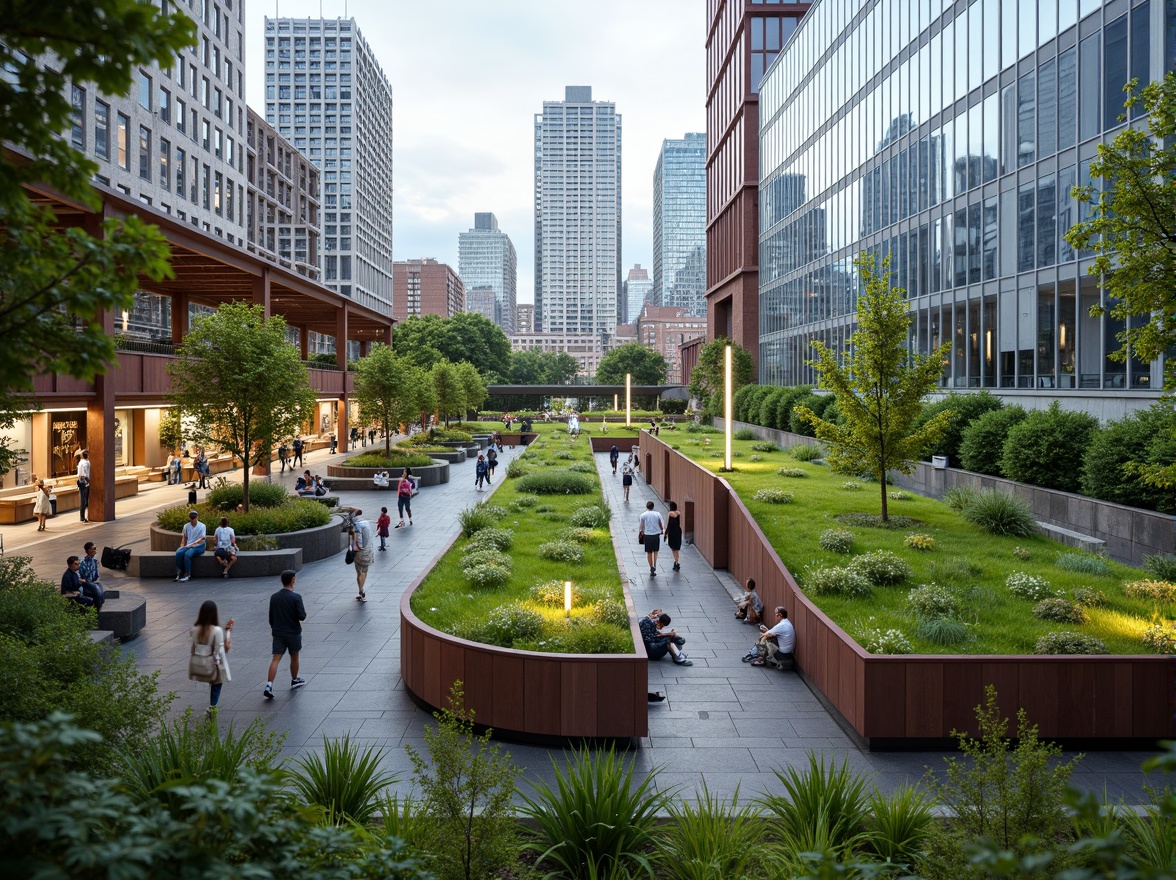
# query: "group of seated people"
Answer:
x=381 y=480
x=82 y=582
x=308 y=486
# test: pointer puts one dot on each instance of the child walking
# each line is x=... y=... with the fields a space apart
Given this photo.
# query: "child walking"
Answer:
x=382 y=526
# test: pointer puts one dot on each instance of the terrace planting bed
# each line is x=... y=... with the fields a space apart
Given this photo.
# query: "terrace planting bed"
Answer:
x=429 y=475
x=913 y=700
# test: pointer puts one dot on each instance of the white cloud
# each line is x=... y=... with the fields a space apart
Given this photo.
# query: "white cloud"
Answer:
x=468 y=78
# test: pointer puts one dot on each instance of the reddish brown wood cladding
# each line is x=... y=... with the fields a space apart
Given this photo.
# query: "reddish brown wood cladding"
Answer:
x=918 y=696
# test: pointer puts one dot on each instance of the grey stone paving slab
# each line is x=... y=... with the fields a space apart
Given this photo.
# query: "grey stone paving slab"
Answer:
x=723 y=721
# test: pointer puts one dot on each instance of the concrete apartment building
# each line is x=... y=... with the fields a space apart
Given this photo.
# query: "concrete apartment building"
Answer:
x=679 y=225
x=741 y=42
x=952 y=144
x=665 y=330
x=524 y=318
x=578 y=215
x=586 y=348
x=426 y=287
x=326 y=94
x=486 y=258
x=481 y=300
x=635 y=292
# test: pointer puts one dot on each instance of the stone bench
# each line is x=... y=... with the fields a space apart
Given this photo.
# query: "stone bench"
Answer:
x=18 y=508
x=123 y=615
x=1070 y=538
x=359 y=484
x=250 y=563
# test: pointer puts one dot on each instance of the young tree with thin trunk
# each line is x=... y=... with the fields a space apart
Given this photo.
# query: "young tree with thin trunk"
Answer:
x=448 y=395
x=385 y=389
x=879 y=387
x=706 y=381
x=472 y=386
x=242 y=384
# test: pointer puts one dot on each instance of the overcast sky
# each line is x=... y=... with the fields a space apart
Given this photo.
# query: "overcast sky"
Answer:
x=468 y=77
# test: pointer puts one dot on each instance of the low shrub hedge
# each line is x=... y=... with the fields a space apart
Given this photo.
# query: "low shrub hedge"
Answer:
x=557 y=481
x=398 y=460
x=293 y=515
x=229 y=495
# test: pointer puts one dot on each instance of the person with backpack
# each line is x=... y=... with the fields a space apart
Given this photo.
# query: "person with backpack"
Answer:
x=491 y=463
x=297 y=452
x=481 y=471
x=614 y=455
x=404 y=497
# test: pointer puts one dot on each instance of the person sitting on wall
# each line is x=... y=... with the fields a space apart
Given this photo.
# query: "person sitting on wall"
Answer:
x=90 y=576
x=659 y=641
x=380 y=479
x=71 y=583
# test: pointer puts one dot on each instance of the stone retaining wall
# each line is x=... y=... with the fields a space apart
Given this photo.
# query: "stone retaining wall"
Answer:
x=318 y=543
x=427 y=475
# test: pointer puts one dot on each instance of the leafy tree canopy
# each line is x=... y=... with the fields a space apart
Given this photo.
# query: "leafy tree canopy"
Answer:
x=1132 y=227
x=467 y=336
x=706 y=381
x=472 y=386
x=647 y=366
x=388 y=390
x=879 y=386
x=535 y=367
x=243 y=385
x=448 y=393
x=56 y=280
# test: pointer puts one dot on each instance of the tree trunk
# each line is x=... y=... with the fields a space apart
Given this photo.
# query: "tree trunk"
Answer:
x=246 y=460
x=885 y=514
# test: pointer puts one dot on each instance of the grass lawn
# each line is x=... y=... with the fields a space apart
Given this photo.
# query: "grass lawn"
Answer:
x=527 y=611
x=973 y=564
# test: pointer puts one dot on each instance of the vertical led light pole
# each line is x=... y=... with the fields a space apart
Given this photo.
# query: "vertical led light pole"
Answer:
x=615 y=404
x=628 y=399
x=727 y=383
x=567 y=598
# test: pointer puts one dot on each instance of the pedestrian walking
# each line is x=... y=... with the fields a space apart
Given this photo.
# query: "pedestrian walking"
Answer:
x=627 y=471
x=361 y=543
x=207 y=632
x=283 y=452
x=286 y=613
x=491 y=463
x=652 y=528
x=382 y=525
x=42 y=506
x=84 y=484
x=481 y=472
x=614 y=455
x=404 y=497
x=297 y=462
x=191 y=546
x=674 y=533
x=176 y=475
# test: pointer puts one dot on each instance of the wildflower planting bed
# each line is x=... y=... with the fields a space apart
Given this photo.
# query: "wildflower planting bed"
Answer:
x=931 y=581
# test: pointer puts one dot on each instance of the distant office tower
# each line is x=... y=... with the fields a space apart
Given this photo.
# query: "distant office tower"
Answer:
x=739 y=36
x=524 y=318
x=486 y=258
x=325 y=93
x=282 y=215
x=481 y=300
x=426 y=287
x=635 y=290
x=679 y=225
x=578 y=215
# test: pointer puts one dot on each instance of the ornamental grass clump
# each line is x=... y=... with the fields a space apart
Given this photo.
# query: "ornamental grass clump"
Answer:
x=496 y=538
x=579 y=535
x=918 y=541
x=745 y=434
x=958 y=497
x=1083 y=563
x=900 y=496
x=805 y=452
x=1089 y=597
x=931 y=601
x=881 y=568
x=557 y=481
x=1000 y=514
x=1059 y=610
x=1161 y=566
x=773 y=496
x=346 y=782
x=523 y=502
x=820 y=807
x=836 y=540
x=1067 y=642
x=836 y=581
x=503 y=626
x=1160 y=591
x=487 y=576
x=593 y=516
x=944 y=631
x=474 y=519
x=1028 y=586
x=766 y=446
x=613 y=612
x=794 y=473
x=852 y=486
x=561 y=551
x=877 y=640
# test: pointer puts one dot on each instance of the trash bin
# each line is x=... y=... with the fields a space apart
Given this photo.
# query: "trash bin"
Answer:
x=191 y=497
x=53 y=504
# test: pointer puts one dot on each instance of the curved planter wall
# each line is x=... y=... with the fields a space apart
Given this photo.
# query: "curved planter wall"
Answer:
x=317 y=543
x=917 y=700
x=524 y=694
x=428 y=475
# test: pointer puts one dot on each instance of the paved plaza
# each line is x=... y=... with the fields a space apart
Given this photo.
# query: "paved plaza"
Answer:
x=723 y=720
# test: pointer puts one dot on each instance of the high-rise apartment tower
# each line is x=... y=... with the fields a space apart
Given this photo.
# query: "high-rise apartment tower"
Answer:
x=635 y=292
x=578 y=215
x=679 y=225
x=326 y=94
x=486 y=258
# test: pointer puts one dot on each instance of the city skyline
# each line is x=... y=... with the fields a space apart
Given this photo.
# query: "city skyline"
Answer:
x=463 y=144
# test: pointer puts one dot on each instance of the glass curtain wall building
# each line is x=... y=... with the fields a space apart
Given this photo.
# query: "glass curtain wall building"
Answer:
x=948 y=135
x=679 y=225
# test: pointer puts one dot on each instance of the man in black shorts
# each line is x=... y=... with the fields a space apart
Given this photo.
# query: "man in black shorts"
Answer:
x=286 y=613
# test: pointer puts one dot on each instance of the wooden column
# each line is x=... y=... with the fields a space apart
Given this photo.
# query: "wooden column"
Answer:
x=179 y=317
x=364 y=348
x=261 y=291
x=388 y=334
x=304 y=340
x=341 y=360
x=100 y=417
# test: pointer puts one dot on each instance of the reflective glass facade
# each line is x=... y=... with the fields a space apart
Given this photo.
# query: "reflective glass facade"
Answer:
x=948 y=135
x=679 y=225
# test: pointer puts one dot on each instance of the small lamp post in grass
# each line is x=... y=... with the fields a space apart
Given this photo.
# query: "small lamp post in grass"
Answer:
x=728 y=381
x=628 y=400
x=567 y=599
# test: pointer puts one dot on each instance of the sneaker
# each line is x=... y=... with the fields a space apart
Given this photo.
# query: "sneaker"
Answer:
x=400 y=524
x=410 y=522
x=748 y=657
x=682 y=661
x=677 y=567
x=653 y=572
x=656 y=696
x=296 y=683
x=178 y=575
x=268 y=693
x=185 y=579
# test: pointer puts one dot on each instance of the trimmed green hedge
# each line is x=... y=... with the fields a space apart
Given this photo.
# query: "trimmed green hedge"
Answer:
x=557 y=481
x=228 y=496
x=397 y=459
x=294 y=515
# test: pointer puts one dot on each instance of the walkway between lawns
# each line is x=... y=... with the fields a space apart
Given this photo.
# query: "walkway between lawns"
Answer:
x=723 y=720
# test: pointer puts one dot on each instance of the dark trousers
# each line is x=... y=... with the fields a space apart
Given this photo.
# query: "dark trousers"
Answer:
x=83 y=500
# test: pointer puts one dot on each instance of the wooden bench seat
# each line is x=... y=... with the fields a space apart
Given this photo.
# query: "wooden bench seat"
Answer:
x=250 y=563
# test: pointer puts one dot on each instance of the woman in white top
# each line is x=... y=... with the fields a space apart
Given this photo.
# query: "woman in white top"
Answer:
x=226 y=546
x=652 y=526
x=207 y=631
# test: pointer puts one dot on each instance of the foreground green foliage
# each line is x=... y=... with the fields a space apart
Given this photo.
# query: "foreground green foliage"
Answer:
x=346 y=782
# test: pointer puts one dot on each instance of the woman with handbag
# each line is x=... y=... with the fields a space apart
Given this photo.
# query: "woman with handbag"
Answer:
x=207 y=660
x=43 y=506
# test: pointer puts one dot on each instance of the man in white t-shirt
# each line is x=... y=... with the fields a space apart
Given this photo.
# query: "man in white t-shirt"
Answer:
x=192 y=545
x=652 y=527
x=363 y=544
x=84 y=484
x=776 y=645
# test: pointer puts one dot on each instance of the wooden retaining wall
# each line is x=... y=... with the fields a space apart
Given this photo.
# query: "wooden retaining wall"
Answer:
x=917 y=700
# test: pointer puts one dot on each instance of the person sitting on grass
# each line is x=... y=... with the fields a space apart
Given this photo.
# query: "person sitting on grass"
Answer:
x=660 y=641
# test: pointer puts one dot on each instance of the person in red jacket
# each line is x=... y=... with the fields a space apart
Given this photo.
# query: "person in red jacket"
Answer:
x=382 y=525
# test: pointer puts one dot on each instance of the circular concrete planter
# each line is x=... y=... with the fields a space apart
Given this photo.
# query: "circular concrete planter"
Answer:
x=317 y=543
x=453 y=456
x=428 y=475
